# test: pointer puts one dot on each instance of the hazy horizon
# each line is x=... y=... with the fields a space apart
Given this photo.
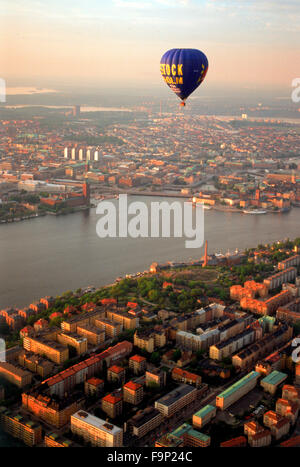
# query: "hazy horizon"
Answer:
x=252 y=45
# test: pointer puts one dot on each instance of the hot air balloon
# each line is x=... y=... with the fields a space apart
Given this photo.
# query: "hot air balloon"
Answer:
x=183 y=70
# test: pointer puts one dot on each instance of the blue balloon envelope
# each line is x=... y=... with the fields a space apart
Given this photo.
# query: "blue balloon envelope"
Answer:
x=183 y=70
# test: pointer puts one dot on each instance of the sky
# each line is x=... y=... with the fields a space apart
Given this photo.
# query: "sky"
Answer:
x=249 y=43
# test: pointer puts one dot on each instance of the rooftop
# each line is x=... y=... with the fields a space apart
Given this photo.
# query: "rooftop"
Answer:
x=175 y=395
x=96 y=422
x=274 y=378
x=205 y=411
x=236 y=386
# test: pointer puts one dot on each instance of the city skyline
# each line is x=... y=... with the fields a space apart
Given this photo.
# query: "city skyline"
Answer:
x=120 y=43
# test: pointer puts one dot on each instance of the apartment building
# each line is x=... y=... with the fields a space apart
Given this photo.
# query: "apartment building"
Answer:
x=176 y=400
x=293 y=261
x=204 y=416
x=54 y=351
x=196 y=342
x=259 y=349
x=137 y=364
x=291 y=393
x=237 y=390
x=15 y=375
x=156 y=376
x=116 y=373
x=229 y=346
x=20 y=427
x=84 y=319
x=96 y=431
x=278 y=425
x=276 y=280
x=66 y=380
x=94 y=335
x=183 y=376
x=261 y=439
x=144 y=340
x=287 y=409
x=112 y=329
x=290 y=312
x=271 y=382
x=185 y=436
x=93 y=386
x=44 y=406
x=127 y=320
x=266 y=307
x=112 y=404
x=79 y=343
x=145 y=421
x=133 y=393
x=36 y=364
x=54 y=440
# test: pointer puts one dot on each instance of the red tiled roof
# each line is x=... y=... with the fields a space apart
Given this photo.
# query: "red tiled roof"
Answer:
x=95 y=381
x=116 y=369
x=112 y=399
x=137 y=358
x=56 y=314
x=185 y=374
x=132 y=386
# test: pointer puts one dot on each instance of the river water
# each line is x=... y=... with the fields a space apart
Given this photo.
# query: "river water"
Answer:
x=49 y=255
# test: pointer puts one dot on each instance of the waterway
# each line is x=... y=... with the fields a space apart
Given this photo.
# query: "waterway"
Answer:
x=49 y=255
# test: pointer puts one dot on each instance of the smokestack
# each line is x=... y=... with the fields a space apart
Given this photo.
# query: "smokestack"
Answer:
x=205 y=255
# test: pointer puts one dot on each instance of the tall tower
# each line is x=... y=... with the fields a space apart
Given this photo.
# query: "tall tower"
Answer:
x=86 y=192
x=205 y=255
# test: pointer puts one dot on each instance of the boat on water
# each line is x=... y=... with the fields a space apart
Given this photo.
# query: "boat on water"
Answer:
x=254 y=211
